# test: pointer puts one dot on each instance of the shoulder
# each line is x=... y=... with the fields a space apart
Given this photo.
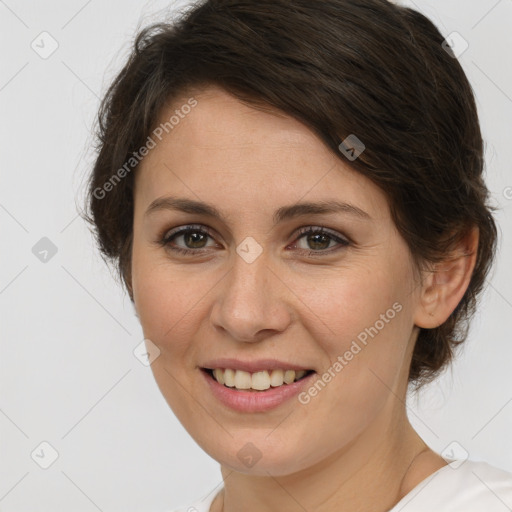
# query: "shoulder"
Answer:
x=485 y=484
x=461 y=486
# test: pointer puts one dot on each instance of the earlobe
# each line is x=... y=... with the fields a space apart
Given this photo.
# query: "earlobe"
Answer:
x=446 y=283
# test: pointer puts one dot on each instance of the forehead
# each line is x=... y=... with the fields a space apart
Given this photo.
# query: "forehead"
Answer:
x=222 y=146
x=220 y=125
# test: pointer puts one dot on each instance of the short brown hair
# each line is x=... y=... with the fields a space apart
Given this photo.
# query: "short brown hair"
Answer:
x=364 y=67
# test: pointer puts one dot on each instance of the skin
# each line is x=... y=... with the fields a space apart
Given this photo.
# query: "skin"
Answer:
x=352 y=445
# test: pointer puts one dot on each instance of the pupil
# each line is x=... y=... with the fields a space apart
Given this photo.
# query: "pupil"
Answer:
x=191 y=239
x=325 y=240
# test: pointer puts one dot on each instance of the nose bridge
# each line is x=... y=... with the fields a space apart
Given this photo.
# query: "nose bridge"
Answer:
x=251 y=299
x=247 y=284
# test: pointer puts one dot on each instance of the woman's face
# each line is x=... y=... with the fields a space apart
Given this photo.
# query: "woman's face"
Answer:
x=262 y=287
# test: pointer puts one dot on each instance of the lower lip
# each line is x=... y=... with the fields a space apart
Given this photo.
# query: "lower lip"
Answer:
x=255 y=401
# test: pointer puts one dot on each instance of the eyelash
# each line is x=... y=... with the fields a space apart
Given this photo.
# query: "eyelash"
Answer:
x=166 y=239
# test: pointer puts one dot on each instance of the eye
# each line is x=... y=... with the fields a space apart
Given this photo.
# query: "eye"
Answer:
x=194 y=238
x=319 y=240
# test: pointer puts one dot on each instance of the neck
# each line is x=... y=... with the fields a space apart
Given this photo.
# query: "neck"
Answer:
x=379 y=467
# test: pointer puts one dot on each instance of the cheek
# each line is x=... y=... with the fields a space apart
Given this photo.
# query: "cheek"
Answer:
x=166 y=301
x=363 y=324
x=355 y=304
x=169 y=308
x=167 y=314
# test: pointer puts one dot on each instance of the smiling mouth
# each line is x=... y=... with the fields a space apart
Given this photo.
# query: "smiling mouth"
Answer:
x=258 y=381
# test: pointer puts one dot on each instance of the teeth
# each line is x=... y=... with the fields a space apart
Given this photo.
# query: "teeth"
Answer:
x=243 y=380
x=276 y=378
x=219 y=375
x=299 y=374
x=289 y=376
x=259 y=381
x=229 y=378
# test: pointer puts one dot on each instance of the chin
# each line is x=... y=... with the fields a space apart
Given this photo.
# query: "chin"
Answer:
x=253 y=455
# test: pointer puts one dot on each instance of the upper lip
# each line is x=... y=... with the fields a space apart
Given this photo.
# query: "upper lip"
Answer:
x=256 y=365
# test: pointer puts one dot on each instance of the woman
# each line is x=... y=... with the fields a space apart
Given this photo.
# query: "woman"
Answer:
x=292 y=192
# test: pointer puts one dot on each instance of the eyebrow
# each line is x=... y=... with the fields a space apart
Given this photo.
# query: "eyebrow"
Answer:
x=281 y=214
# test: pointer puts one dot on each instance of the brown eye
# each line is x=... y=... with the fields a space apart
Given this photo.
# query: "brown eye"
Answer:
x=319 y=240
x=194 y=239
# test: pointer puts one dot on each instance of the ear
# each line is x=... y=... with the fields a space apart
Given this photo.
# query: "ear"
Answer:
x=444 y=286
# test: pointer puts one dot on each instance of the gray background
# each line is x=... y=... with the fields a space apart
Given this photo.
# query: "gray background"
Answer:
x=68 y=373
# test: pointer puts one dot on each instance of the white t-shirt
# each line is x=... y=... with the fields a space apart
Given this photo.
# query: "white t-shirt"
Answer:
x=468 y=486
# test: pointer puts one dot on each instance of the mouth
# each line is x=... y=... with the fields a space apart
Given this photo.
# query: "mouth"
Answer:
x=261 y=381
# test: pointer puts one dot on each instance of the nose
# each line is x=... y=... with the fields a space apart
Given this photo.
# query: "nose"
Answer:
x=251 y=302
